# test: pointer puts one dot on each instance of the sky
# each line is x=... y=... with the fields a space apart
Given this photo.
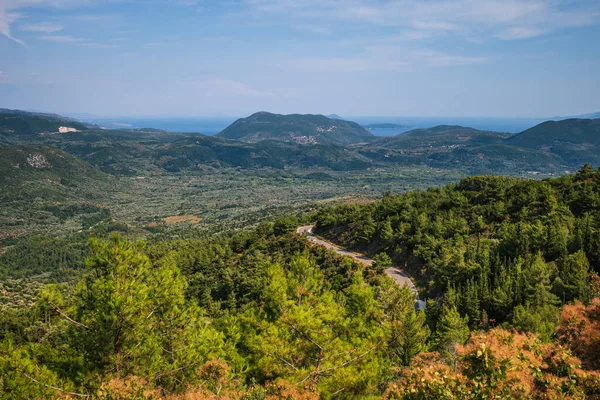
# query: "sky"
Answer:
x=477 y=58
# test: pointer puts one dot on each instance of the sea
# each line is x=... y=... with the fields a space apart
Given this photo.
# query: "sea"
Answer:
x=213 y=125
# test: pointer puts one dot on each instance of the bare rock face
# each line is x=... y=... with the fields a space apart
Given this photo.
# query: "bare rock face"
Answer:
x=66 y=129
x=37 y=160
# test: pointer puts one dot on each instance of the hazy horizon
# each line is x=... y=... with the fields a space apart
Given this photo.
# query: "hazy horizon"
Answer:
x=217 y=115
x=212 y=125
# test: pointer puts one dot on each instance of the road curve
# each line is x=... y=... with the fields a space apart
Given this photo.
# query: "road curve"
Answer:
x=398 y=276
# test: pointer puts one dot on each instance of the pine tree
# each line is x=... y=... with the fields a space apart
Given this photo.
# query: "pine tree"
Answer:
x=309 y=336
x=381 y=262
x=536 y=283
x=574 y=273
x=412 y=337
x=451 y=330
x=471 y=304
x=367 y=229
x=132 y=317
x=432 y=315
x=386 y=234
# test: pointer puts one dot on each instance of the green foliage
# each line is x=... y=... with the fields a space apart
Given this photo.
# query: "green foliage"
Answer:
x=451 y=330
x=381 y=262
x=541 y=320
x=499 y=250
x=413 y=335
x=38 y=255
x=305 y=333
x=575 y=276
x=204 y=315
x=133 y=318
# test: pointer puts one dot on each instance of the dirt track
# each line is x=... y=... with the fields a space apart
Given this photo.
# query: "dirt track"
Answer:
x=398 y=276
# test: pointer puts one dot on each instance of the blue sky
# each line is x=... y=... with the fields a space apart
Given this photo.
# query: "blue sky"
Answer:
x=508 y=58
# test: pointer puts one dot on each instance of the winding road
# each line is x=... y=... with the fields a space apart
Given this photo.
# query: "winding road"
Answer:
x=398 y=276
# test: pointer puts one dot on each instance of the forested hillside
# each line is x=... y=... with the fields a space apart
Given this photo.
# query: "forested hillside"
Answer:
x=41 y=185
x=13 y=125
x=500 y=250
x=576 y=141
x=266 y=140
x=441 y=137
x=296 y=128
x=508 y=267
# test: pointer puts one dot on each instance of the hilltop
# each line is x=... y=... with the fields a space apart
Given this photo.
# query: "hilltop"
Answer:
x=38 y=114
x=442 y=137
x=296 y=128
x=549 y=133
x=13 y=126
x=576 y=141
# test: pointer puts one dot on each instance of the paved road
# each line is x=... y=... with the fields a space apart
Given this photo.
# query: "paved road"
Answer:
x=398 y=276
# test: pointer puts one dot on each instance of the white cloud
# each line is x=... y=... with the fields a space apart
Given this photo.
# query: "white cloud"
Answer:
x=83 y=42
x=6 y=19
x=416 y=19
x=185 y=3
x=226 y=87
x=43 y=27
x=9 y=11
x=312 y=28
x=408 y=19
x=438 y=59
x=63 y=39
x=348 y=64
x=382 y=58
x=519 y=32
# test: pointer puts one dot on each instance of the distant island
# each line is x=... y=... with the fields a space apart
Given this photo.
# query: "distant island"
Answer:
x=595 y=115
x=387 y=126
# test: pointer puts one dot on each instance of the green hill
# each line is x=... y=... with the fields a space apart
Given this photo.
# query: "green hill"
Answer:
x=296 y=128
x=550 y=146
x=572 y=131
x=40 y=114
x=14 y=126
x=41 y=187
x=576 y=141
x=441 y=137
x=30 y=171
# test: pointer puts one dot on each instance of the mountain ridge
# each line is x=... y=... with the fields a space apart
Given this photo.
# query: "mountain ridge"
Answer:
x=444 y=136
x=13 y=125
x=578 y=130
x=264 y=142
